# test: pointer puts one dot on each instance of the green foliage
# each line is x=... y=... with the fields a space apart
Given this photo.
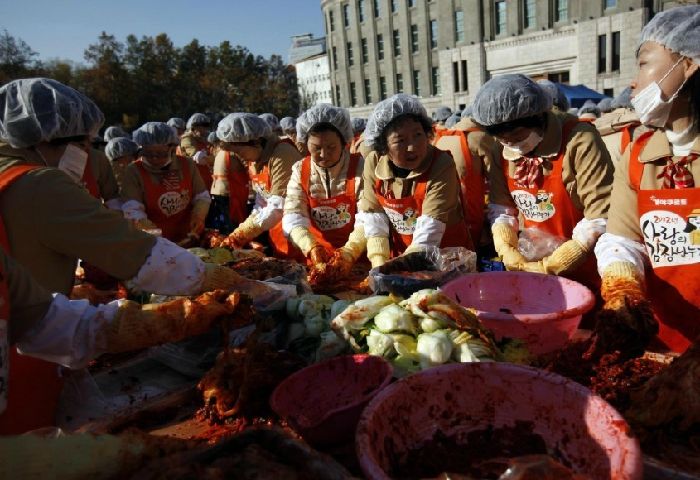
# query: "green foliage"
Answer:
x=149 y=79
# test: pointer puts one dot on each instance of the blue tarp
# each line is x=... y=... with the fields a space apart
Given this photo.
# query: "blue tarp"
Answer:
x=578 y=94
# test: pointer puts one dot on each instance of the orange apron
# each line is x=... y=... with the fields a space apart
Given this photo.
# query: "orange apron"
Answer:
x=404 y=212
x=33 y=385
x=332 y=219
x=472 y=187
x=281 y=246
x=626 y=137
x=673 y=245
x=205 y=173
x=549 y=208
x=168 y=201
x=238 y=190
x=89 y=181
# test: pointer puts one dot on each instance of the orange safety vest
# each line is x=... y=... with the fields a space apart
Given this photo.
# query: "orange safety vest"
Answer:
x=238 y=190
x=33 y=385
x=673 y=245
x=169 y=201
x=332 y=219
x=90 y=182
x=404 y=212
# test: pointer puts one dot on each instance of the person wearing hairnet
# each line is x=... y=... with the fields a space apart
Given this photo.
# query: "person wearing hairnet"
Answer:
x=323 y=191
x=273 y=122
x=655 y=202
x=474 y=153
x=268 y=162
x=194 y=140
x=605 y=105
x=410 y=197
x=49 y=221
x=589 y=111
x=619 y=126
x=121 y=152
x=559 y=100
x=178 y=124
x=452 y=121
x=558 y=172
x=289 y=130
x=358 y=126
x=162 y=190
x=114 y=132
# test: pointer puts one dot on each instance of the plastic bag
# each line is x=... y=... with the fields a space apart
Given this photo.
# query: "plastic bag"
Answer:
x=535 y=244
x=415 y=271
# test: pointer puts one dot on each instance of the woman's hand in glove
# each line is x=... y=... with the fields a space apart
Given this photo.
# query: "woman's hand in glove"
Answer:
x=319 y=255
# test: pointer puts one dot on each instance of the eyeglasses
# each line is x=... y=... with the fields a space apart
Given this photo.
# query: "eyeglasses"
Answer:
x=144 y=154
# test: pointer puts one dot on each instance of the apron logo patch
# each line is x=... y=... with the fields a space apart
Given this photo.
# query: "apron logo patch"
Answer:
x=329 y=218
x=404 y=223
x=171 y=203
x=670 y=239
x=535 y=208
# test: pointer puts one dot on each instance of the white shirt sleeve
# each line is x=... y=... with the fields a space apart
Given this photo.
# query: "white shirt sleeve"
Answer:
x=587 y=232
x=271 y=214
x=428 y=232
x=292 y=220
x=114 y=204
x=376 y=224
x=615 y=248
x=502 y=214
x=134 y=210
x=202 y=196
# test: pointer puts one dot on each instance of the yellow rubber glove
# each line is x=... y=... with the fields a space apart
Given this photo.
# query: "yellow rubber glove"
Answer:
x=243 y=234
x=303 y=238
x=566 y=258
x=198 y=216
x=378 y=251
x=218 y=277
x=505 y=241
x=356 y=244
x=319 y=255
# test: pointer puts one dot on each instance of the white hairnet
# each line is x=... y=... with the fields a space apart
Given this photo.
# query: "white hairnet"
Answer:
x=589 y=107
x=605 y=105
x=324 y=113
x=119 y=147
x=242 y=127
x=467 y=112
x=35 y=110
x=198 y=120
x=288 y=125
x=442 y=114
x=387 y=110
x=114 y=132
x=677 y=29
x=573 y=111
x=176 y=122
x=452 y=121
x=212 y=138
x=272 y=121
x=155 y=133
x=559 y=100
x=623 y=99
x=507 y=98
x=358 y=124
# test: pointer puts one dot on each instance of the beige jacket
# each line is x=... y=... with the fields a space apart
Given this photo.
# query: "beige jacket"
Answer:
x=442 y=189
x=587 y=171
x=51 y=221
x=623 y=219
x=280 y=156
x=104 y=175
x=610 y=126
x=189 y=144
x=220 y=184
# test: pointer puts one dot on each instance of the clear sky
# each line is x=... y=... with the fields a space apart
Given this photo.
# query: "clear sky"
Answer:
x=64 y=28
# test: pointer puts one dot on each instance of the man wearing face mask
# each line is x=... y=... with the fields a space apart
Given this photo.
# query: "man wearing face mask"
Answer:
x=655 y=197
x=545 y=153
x=162 y=190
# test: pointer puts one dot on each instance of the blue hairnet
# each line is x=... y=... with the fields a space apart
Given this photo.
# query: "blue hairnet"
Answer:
x=176 y=122
x=120 y=147
x=467 y=112
x=677 y=29
x=242 y=127
x=155 y=133
x=198 y=120
x=288 y=125
x=358 y=125
x=507 y=98
x=212 y=138
x=324 y=113
x=623 y=100
x=559 y=100
x=589 y=107
x=452 y=121
x=114 y=132
x=387 y=110
x=605 y=105
x=442 y=114
x=35 y=110
x=272 y=121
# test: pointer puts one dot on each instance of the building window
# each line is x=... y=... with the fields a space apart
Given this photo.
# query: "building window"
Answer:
x=561 y=12
x=455 y=76
x=361 y=10
x=380 y=46
x=433 y=34
x=377 y=8
x=500 y=8
x=529 y=18
x=368 y=92
x=559 y=77
x=399 y=83
x=394 y=6
x=459 y=26
x=382 y=88
x=353 y=94
x=416 y=82
x=334 y=58
x=331 y=21
x=602 y=53
x=397 y=43
x=365 y=51
x=351 y=60
x=610 y=4
x=465 y=79
x=411 y=3
x=337 y=95
x=346 y=15
x=608 y=92
x=435 y=80
x=414 y=38
x=615 y=60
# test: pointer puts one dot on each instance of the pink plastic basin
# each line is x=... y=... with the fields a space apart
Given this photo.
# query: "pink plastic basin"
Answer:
x=543 y=310
x=587 y=432
x=323 y=402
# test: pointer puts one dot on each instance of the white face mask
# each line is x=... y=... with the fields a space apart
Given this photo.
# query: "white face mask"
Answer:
x=651 y=108
x=525 y=146
x=73 y=162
